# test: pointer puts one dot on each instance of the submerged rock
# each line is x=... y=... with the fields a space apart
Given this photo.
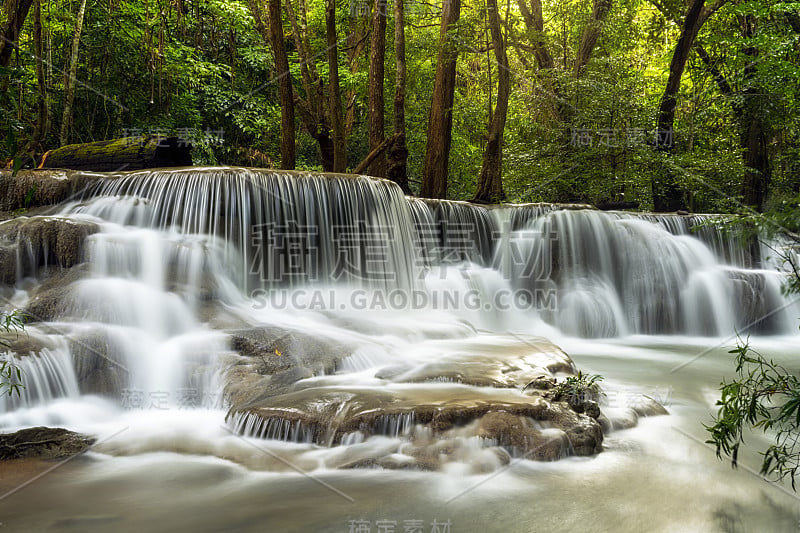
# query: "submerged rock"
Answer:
x=44 y=443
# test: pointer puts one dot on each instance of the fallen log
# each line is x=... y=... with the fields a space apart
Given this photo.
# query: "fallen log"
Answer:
x=126 y=153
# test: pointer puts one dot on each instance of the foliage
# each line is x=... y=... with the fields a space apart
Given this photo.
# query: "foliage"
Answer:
x=764 y=396
x=10 y=374
x=578 y=387
x=193 y=67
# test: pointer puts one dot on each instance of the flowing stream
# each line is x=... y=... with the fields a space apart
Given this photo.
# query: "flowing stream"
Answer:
x=392 y=300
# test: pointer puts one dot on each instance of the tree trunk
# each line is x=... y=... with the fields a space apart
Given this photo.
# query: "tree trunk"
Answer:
x=334 y=92
x=375 y=117
x=667 y=195
x=16 y=11
x=666 y=109
x=356 y=46
x=755 y=129
x=326 y=151
x=374 y=154
x=311 y=108
x=398 y=152
x=69 y=81
x=285 y=91
x=534 y=21
x=42 y=111
x=273 y=36
x=440 y=123
x=490 y=181
x=591 y=32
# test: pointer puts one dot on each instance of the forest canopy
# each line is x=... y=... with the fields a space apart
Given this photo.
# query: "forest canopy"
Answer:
x=668 y=104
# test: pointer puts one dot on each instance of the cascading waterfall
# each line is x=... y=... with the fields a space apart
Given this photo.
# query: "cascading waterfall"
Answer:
x=589 y=273
x=45 y=376
x=156 y=336
x=278 y=228
x=176 y=246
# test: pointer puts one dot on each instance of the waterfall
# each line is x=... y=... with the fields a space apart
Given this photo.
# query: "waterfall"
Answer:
x=279 y=228
x=44 y=376
x=208 y=233
x=176 y=257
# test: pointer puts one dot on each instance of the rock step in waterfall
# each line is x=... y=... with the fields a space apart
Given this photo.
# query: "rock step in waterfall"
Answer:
x=257 y=290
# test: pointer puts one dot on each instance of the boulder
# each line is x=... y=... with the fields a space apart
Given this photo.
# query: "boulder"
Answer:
x=273 y=359
x=44 y=443
x=33 y=243
x=521 y=435
x=327 y=414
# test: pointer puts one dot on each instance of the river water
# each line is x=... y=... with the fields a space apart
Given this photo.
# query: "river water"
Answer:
x=185 y=257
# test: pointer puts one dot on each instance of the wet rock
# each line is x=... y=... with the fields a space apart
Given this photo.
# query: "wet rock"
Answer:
x=43 y=442
x=34 y=188
x=515 y=367
x=591 y=409
x=25 y=342
x=646 y=406
x=605 y=423
x=521 y=435
x=755 y=304
x=541 y=383
x=54 y=297
x=8 y=264
x=622 y=418
x=97 y=370
x=42 y=241
x=585 y=436
x=274 y=359
x=329 y=414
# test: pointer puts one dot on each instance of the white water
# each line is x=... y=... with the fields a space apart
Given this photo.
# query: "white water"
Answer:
x=183 y=255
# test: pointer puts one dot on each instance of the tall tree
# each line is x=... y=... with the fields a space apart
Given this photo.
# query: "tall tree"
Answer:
x=16 y=12
x=398 y=152
x=490 y=180
x=42 y=110
x=311 y=106
x=285 y=90
x=755 y=128
x=440 y=122
x=334 y=92
x=70 y=76
x=667 y=195
x=376 y=67
x=591 y=32
x=534 y=23
x=274 y=36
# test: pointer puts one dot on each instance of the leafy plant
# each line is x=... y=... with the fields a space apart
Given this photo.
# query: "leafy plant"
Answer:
x=10 y=374
x=578 y=388
x=765 y=396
